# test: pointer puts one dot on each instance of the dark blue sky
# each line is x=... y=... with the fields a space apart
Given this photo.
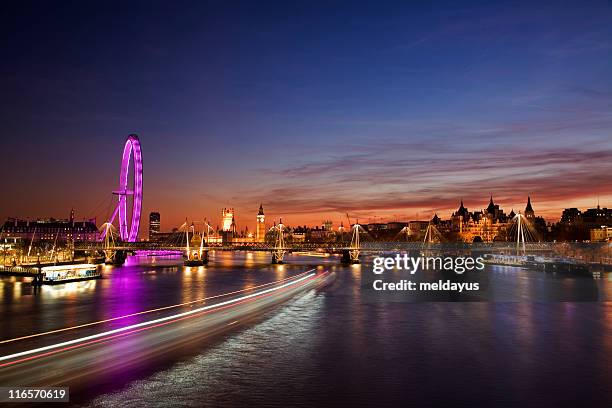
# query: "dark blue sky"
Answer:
x=315 y=109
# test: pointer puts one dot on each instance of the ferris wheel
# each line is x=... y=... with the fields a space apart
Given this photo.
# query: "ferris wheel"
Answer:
x=130 y=191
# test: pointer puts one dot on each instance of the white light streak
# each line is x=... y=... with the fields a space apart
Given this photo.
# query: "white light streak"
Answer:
x=150 y=322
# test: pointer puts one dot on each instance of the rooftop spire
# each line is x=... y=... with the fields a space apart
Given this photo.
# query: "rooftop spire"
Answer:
x=491 y=207
x=528 y=208
x=461 y=207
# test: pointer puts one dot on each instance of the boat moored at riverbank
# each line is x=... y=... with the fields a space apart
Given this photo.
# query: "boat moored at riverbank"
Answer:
x=69 y=273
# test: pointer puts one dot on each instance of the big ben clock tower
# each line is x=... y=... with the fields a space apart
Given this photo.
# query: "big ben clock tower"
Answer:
x=260 y=232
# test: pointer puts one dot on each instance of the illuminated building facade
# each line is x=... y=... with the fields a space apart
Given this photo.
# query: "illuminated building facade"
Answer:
x=488 y=225
x=227 y=219
x=228 y=225
x=50 y=230
x=154 y=225
x=260 y=232
x=603 y=234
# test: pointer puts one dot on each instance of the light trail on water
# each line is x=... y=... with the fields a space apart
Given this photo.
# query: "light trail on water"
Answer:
x=80 y=326
x=120 y=332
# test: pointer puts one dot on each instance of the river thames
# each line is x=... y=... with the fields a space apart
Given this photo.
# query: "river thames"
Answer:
x=528 y=338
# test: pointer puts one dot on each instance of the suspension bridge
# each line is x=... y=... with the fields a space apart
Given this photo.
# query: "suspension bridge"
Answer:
x=182 y=242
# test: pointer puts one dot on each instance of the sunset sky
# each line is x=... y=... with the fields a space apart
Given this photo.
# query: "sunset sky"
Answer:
x=379 y=109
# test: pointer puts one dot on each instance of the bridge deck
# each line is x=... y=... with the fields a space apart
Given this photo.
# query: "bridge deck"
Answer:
x=327 y=247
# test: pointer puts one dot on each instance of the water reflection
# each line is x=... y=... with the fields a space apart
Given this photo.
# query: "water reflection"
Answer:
x=331 y=347
x=341 y=344
x=69 y=289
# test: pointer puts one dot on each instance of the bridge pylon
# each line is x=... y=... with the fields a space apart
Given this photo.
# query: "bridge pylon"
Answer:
x=525 y=231
x=195 y=256
x=279 y=250
x=112 y=256
x=351 y=254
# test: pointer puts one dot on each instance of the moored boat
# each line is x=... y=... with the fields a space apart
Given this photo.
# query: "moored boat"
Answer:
x=507 y=260
x=69 y=273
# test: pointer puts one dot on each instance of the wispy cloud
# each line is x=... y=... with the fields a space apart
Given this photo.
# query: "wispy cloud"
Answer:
x=431 y=171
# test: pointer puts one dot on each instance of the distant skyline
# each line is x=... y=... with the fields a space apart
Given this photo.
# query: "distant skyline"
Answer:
x=383 y=109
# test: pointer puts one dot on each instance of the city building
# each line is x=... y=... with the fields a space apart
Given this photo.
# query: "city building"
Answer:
x=571 y=216
x=375 y=226
x=227 y=219
x=597 y=217
x=154 y=225
x=228 y=225
x=319 y=234
x=494 y=213
x=50 y=229
x=603 y=234
x=298 y=234
x=488 y=225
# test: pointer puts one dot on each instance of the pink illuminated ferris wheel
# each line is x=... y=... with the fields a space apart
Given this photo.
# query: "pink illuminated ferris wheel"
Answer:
x=130 y=190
